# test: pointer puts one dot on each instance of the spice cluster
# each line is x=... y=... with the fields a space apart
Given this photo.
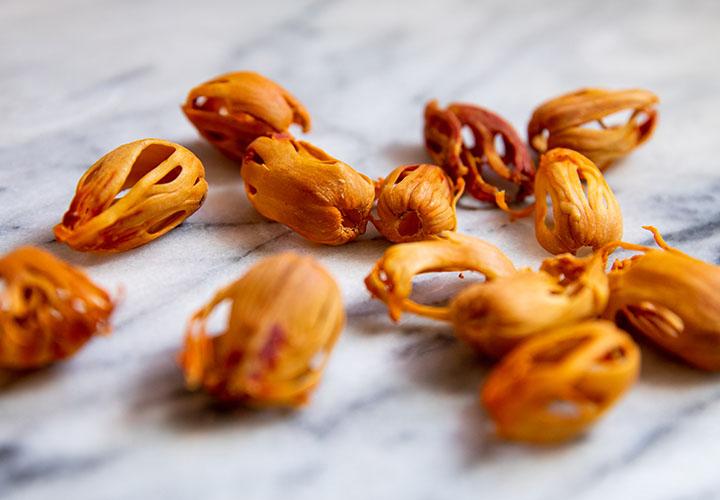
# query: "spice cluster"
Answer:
x=560 y=334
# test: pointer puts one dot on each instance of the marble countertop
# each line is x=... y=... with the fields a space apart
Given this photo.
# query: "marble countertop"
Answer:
x=397 y=414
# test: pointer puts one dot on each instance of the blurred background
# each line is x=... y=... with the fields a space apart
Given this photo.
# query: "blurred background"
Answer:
x=397 y=414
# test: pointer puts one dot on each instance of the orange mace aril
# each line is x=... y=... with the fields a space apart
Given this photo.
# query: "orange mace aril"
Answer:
x=301 y=186
x=48 y=309
x=554 y=386
x=671 y=298
x=416 y=202
x=285 y=315
x=133 y=195
x=565 y=122
x=234 y=109
x=509 y=164
x=583 y=211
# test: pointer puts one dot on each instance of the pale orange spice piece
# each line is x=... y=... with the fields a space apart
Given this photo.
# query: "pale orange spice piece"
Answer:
x=416 y=202
x=497 y=315
x=566 y=122
x=669 y=297
x=301 y=186
x=552 y=387
x=133 y=195
x=509 y=307
x=584 y=209
x=285 y=315
x=48 y=309
x=391 y=277
x=234 y=109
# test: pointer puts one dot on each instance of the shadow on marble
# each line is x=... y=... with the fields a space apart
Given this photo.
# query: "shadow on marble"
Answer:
x=226 y=209
x=14 y=381
x=226 y=202
x=478 y=443
x=470 y=204
x=86 y=259
x=476 y=438
x=405 y=153
x=195 y=411
x=162 y=396
x=218 y=167
x=43 y=238
x=226 y=206
x=371 y=318
x=662 y=369
x=439 y=362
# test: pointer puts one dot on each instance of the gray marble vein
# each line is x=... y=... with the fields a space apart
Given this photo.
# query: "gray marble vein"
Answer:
x=397 y=414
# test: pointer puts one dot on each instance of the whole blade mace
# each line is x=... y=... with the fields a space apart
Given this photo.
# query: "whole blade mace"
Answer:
x=511 y=163
x=566 y=122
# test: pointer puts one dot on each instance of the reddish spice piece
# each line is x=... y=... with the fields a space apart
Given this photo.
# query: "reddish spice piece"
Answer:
x=511 y=164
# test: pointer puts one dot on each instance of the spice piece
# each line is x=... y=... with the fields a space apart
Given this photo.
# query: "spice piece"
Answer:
x=285 y=315
x=495 y=316
x=671 y=298
x=565 y=122
x=234 y=109
x=299 y=185
x=416 y=202
x=496 y=156
x=132 y=195
x=48 y=309
x=585 y=211
x=552 y=387
x=391 y=278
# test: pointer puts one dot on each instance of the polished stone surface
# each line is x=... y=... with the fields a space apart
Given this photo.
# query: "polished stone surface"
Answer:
x=397 y=415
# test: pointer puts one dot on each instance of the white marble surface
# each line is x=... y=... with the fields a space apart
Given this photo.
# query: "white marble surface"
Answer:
x=397 y=415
